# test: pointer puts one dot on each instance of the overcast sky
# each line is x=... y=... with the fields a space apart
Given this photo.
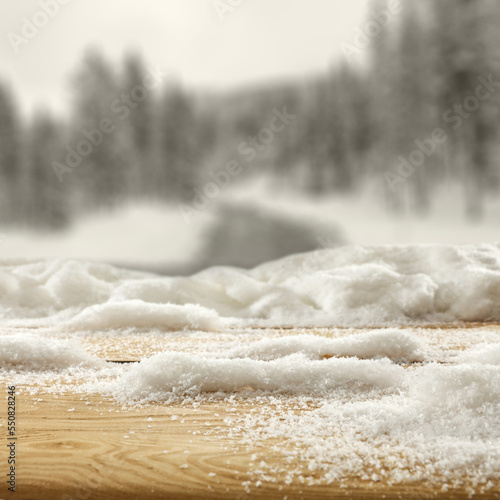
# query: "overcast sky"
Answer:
x=258 y=41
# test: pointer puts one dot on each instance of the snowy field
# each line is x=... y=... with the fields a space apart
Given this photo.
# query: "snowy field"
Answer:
x=157 y=237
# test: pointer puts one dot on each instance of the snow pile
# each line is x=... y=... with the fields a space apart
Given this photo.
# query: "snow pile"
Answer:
x=303 y=364
x=168 y=375
x=394 y=344
x=458 y=387
x=92 y=296
x=138 y=313
x=354 y=286
x=24 y=352
x=380 y=406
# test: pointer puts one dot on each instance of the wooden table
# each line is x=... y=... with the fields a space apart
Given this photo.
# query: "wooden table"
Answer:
x=81 y=447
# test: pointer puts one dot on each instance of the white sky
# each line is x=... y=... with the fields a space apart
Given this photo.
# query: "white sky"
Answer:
x=259 y=40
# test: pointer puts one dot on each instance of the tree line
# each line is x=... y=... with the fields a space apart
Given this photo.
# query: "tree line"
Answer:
x=419 y=109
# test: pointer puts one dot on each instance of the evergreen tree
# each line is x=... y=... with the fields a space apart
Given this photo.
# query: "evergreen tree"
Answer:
x=10 y=158
x=103 y=171
x=180 y=155
x=47 y=198
x=140 y=127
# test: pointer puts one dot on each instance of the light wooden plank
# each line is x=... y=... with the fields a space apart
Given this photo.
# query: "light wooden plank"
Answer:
x=70 y=446
x=90 y=453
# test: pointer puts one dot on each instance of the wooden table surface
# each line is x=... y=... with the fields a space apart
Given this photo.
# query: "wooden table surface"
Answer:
x=74 y=446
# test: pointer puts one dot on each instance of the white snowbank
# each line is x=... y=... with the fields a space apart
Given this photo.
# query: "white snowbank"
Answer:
x=353 y=285
x=32 y=353
x=137 y=313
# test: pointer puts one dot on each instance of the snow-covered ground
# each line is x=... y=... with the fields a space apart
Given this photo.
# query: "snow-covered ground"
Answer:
x=137 y=233
x=155 y=236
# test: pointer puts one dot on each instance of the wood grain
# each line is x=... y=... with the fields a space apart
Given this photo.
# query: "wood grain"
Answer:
x=92 y=448
x=90 y=453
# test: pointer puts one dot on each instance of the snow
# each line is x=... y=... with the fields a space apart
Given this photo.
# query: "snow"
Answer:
x=34 y=353
x=136 y=233
x=136 y=313
x=483 y=354
x=166 y=376
x=344 y=286
x=364 y=219
x=442 y=426
x=288 y=365
x=388 y=343
x=393 y=404
x=388 y=404
x=458 y=387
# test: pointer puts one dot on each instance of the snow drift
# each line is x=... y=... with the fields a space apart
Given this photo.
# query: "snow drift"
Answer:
x=303 y=364
x=345 y=286
x=171 y=374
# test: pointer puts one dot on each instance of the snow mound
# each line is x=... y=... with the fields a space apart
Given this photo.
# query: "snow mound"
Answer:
x=136 y=313
x=303 y=364
x=167 y=375
x=32 y=353
x=385 y=343
x=345 y=286
x=439 y=424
